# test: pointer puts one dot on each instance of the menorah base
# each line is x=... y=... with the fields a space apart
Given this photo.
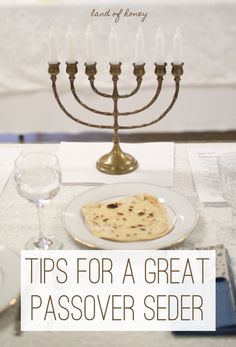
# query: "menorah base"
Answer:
x=117 y=162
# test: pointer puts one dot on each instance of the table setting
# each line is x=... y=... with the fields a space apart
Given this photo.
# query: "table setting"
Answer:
x=208 y=223
x=117 y=196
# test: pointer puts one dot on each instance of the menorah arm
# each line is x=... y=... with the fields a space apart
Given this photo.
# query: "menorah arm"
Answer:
x=160 y=71
x=139 y=72
x=177 y=85
x=77 y=98
x=158 y=90
x=92 y=84
x=136 y=89
x=91 y=71
x=53 y=71
x=72 y=70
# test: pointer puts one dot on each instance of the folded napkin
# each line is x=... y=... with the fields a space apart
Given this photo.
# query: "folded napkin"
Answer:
x=78 y=163
x=225 y=297
x=225 y=313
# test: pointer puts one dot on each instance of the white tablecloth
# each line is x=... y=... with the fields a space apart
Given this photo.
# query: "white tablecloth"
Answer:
x=209 y=33
x=18 y=222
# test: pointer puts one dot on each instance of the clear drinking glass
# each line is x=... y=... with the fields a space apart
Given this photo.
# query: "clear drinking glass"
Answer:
x=227 y=174
x=38 y=177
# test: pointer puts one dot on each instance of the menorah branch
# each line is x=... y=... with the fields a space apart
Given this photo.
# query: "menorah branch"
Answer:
x=160 y=71
x=72 y=71
x=105 y=95
x=91 y=71
x=139 y=72
x=116 y=161
x=159 y=117
x=177 y=71
x=54 y=71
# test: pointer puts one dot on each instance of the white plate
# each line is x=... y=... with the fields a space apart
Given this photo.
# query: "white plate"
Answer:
x=9 y=277
x=179 y=209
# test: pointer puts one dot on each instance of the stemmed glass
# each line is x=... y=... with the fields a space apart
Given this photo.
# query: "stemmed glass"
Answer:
x=227 y=175
x=38 y=177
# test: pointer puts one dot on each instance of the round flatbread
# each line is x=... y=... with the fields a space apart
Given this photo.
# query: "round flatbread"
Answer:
x=133 y=218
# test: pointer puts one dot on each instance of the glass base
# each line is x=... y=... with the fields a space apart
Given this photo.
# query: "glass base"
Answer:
x=117 y=162
x=44 y=244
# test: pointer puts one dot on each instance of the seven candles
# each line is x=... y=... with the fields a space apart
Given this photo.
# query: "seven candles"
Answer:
x=114 y=47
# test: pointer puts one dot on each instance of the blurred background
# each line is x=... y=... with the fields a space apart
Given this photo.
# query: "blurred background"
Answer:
x=205 y=109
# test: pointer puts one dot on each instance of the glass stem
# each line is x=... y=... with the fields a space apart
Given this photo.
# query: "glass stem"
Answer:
x=43 y=242
x=41 y=236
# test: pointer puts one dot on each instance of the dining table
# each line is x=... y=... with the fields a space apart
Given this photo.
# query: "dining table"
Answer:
x=18 y=223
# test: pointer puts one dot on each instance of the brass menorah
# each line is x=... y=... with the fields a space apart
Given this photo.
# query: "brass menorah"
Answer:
x=116 y=161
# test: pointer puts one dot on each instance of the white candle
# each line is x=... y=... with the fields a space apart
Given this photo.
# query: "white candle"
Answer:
x=178 y=47
x=70 y=46
x=139 y=47
x=89 y=46
x=160 y=47
x=52 y=46
x=114 y=47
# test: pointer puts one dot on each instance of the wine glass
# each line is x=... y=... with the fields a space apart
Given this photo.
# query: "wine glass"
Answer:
x=227 y=175
x=38 y=177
